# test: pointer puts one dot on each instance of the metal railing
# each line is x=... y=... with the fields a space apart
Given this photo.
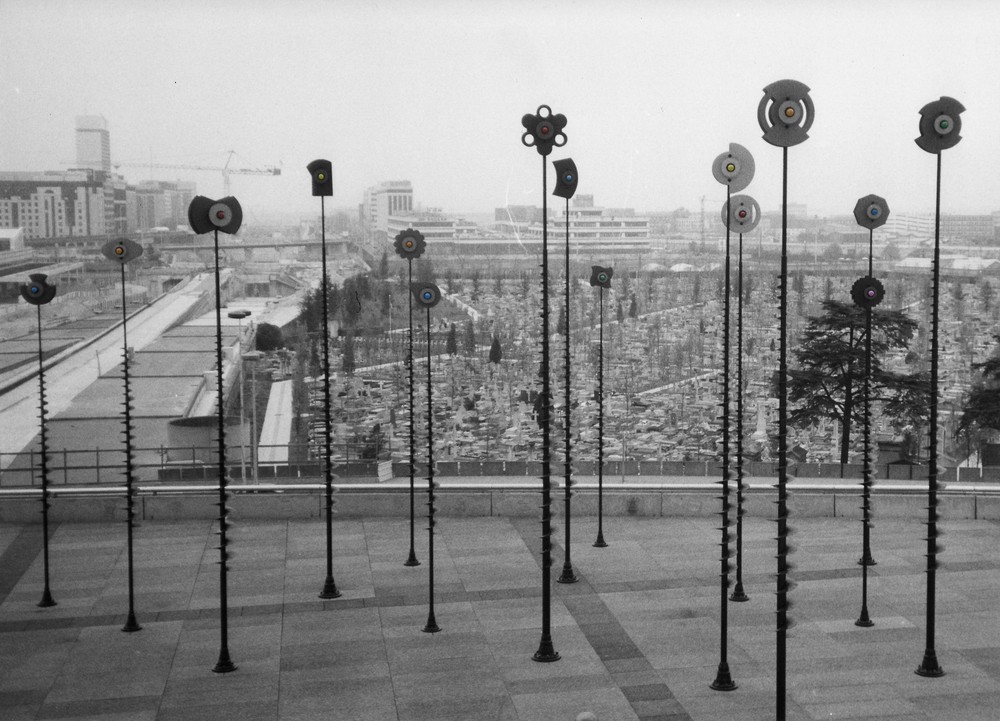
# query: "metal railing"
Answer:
x=104 y=466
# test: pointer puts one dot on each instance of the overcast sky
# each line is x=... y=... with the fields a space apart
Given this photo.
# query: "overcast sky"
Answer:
x=433 y=92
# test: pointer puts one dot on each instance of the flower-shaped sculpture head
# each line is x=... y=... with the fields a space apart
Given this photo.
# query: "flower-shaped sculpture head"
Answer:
x=205 y=214
x=543 y=130
x=38 y=292
x=741 y=214
x=321 y=172
x=940 y=125
x=123 y=250
x=426 y=294
x=867 y=292
x=601 y=276
x=566 y=178
x=790 y=115
x=734 y=168
x=409 y=244
x=871 y=211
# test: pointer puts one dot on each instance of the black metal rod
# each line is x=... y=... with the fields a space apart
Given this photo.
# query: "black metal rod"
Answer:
x=47 y=599
x=600 y=542
x=131 y=624
x=225 y=663
x=330 y=589
x=782 y=588
x=864 y=620
x=723 y=679
x=739 y=594
x=411 y=559
x=546 y=651
x=929 y=666
x=567 y=575
x=868 y=477
x=431 y=626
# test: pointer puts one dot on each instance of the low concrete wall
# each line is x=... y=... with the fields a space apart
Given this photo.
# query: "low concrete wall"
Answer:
x=474 y=502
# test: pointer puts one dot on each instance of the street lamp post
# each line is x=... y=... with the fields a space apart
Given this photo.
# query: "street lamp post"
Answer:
x=253 y=356
x=239 y=315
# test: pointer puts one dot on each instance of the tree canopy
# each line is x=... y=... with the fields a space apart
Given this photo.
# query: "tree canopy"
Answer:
x=981 y=407
x=269 y=337
x=830 y=360
x=311 y=307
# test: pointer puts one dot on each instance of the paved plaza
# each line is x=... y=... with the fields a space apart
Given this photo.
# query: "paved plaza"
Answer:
x=639 y=634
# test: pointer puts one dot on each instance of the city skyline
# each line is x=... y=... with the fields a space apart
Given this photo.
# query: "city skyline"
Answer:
x=650 y=92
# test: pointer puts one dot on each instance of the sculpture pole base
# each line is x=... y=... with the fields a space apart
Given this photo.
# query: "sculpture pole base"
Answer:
x=723 y=681
x=131 y=625
x=431 y=626
x=224 y=664
x=930 y=667
x=546 y=652
x=567 y=575
x=329 y=589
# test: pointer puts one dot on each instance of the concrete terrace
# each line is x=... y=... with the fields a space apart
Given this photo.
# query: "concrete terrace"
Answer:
x=639 y=634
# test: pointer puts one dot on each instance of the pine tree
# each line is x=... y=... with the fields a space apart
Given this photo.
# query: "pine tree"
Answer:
x=830 y=357
x=496 y=354
x=470 y=338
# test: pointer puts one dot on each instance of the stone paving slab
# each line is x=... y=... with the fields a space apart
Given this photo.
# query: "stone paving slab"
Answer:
x=638 y=634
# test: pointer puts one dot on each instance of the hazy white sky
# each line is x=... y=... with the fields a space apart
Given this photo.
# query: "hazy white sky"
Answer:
x=433 y=92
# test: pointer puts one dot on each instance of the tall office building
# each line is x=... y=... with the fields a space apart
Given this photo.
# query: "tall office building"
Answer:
x=158 y=203
x=392 y=197
x=93 y=143
x=63 y=203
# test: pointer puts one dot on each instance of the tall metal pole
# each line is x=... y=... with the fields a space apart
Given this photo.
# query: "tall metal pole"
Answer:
x=567 y=575
x=864 y=619
x=131 y=624
x=431 y=626
x=253 y=423
x=866 y=559
x=546 y=651
x=929 y=666
x=782 y=579
x=243 y=445
x=47 y=599
x=739 y=594
x=225 y=663
x=329 y=586
x=723 y=679
x=600 y=543
x=411 y=560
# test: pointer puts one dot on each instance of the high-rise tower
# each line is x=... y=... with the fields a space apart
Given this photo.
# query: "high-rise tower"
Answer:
x=93 y=143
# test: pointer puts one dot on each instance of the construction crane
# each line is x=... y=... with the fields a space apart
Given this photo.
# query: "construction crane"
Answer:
x=225 y=170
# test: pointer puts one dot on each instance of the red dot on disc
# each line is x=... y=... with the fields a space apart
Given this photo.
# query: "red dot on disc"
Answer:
x=545 y=130
x=220 y=214
x=743 y=214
